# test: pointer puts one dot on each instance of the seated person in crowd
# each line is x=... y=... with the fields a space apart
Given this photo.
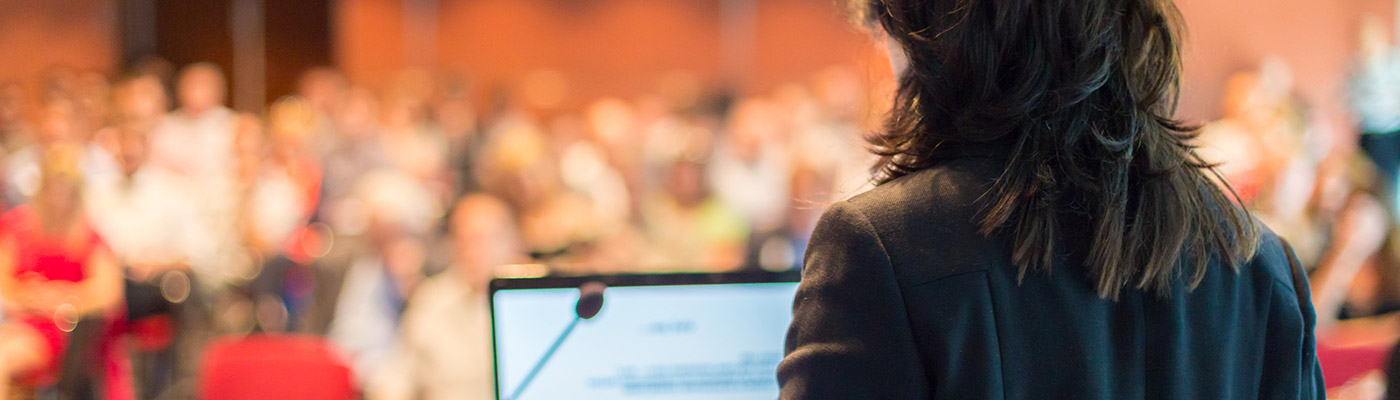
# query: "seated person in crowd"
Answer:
x=277 y=185
x=688 y=226
x=197 y=138
x=556 y=224
x=140 y=216
x=444 y=350
x=58 y=119
x=384 y=273
x=54 y=272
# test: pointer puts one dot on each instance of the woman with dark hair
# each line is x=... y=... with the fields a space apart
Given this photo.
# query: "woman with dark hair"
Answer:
x=1043 y=227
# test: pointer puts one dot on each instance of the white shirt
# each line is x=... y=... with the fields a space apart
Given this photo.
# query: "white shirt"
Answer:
x=199 y=151
x=199 y=146
x=142 y=219
x=1375 y=93
x=758 y=189
x=445 y=347
x=365 y=323
x=277 y=207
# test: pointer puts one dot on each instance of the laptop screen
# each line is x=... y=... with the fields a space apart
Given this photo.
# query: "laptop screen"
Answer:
x=681 y=341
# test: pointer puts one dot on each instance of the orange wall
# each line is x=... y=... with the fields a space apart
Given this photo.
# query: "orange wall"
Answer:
x=613 y=47
x=601 y=48
x=621 y=47
x=1317 y=38
x=36 y=35
x=368 y=39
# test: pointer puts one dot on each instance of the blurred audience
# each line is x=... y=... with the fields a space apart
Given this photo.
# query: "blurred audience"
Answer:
x=327 y=213
x=383 y=274
x=1336 y=205
x=376 y=216
x=324 y=214
x=556 y=225
x=139 y=215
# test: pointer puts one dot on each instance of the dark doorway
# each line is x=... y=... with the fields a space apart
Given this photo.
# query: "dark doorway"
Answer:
x=296 y=36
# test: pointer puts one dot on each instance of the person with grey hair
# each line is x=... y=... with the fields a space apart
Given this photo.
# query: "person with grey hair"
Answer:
x=398 y=214
x=444 y=351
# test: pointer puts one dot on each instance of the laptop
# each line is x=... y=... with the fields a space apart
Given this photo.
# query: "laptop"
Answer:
x=652 y=336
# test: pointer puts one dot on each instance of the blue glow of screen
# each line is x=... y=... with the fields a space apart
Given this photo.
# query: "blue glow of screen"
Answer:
x=648 y=342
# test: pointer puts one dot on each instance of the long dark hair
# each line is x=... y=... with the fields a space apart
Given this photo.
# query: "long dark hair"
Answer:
x=1082 y=94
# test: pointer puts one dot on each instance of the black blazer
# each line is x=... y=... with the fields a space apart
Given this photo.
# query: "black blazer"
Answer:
x=901 y=298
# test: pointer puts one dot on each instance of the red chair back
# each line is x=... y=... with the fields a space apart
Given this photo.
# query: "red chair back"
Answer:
x=1342 y=364
x=275 y=367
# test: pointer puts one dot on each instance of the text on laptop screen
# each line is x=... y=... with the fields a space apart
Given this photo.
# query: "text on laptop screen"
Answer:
x=716 y=341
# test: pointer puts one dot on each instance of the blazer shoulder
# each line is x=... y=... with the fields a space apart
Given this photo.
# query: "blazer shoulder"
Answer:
x=933 y=214
x=845 y=221
x=1274 y=259
x=950 y=190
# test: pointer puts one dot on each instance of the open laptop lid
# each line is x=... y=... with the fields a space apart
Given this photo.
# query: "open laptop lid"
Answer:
x=643 y=336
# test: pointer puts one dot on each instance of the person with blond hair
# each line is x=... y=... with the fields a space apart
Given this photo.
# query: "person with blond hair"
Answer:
x=54 y=272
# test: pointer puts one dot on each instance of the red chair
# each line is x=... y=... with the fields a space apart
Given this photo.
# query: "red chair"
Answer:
x=275 y=367
x=1342 y=364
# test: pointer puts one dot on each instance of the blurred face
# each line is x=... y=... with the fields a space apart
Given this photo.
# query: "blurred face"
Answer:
x=402 y=114
x=359 y=116
x=58 y=123
x=456 y=116
x=404 y=258
x=524 y=188
x=610 y=120
x=324 y=89
x=61 y=196
x=483 y=238
x=201 y=89
x=520 y=169
x=842 y=91
x=687 y=183
x=753 y=123
x=292 y=121
x=143 y=100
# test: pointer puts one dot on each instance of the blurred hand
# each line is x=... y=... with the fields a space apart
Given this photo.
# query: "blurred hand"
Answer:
x=44 y=297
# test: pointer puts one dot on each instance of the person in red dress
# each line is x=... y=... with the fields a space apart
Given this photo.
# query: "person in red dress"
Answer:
x=54 y=272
